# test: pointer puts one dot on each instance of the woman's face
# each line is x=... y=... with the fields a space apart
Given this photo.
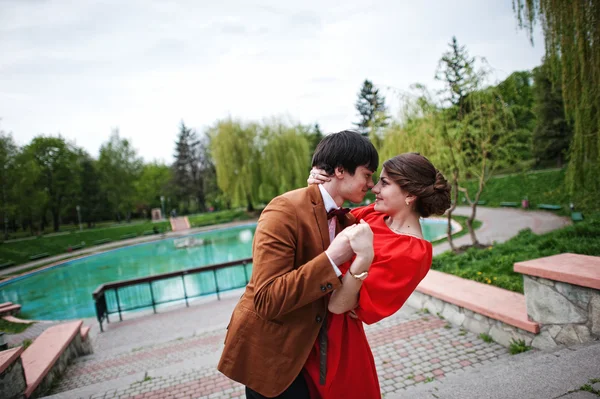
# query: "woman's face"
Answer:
x=389 y=197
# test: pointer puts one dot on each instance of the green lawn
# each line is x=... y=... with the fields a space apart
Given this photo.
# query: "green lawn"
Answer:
x=13 y=328
x=20 y=252
x=540 y=187
x=495 y=264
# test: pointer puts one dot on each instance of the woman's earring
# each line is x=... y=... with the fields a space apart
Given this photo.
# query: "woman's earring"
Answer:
x=407 y=202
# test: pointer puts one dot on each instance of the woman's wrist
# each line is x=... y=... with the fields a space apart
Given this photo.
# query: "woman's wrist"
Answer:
x=361 y=263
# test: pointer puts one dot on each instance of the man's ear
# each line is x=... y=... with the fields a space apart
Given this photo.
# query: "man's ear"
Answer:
x=339 y=172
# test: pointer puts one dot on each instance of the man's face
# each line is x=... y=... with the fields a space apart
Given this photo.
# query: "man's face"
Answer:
x=355 y=187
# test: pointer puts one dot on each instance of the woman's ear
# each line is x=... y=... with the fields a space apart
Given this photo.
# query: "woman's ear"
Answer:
x=410 y=199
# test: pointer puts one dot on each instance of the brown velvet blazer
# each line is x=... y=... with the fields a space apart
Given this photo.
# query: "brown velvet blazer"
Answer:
x=276 y=322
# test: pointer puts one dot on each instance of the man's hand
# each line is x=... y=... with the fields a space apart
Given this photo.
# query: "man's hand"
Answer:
x=339 y=250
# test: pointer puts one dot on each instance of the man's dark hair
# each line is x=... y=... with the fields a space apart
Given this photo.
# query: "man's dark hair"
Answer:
x=347 y=149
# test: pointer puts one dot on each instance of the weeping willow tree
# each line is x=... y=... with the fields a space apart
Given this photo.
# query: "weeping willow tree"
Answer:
x=234 y=147
x=286 y=159
x=572 y=41
x=415 y=130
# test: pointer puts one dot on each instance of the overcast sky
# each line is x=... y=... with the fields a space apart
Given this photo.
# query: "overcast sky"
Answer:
x=82 y=67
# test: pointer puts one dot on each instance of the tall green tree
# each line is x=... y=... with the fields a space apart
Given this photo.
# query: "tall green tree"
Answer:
x=194 y=173
x=235 y=149
x=552 y=133
x=206 y=189
x=492 y=144
x=456 y=69
x=31 y=201
x=314 y=136
x=119 y=167
x=156 y=180
x=516 y=93
x=59 y=177
x=371 y=109
x=286 y=159
x=184 y=166
x=91 y=199
x=8 y=157
x=572 y=42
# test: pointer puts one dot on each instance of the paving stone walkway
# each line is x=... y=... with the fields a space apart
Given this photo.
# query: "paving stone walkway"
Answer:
x=411 y=347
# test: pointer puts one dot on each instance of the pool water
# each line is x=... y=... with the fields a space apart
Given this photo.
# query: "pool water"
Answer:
x=65 y=291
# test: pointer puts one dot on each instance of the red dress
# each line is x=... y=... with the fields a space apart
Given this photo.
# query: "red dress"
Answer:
x=400 y=263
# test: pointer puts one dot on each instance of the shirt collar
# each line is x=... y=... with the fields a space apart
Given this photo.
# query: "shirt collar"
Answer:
x=327 y=199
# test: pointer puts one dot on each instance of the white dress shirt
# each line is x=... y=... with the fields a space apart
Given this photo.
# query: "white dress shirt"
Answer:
x=329 y=205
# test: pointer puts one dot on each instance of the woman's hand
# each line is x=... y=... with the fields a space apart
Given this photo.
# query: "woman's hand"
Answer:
x=317 y=176
x=361 y=239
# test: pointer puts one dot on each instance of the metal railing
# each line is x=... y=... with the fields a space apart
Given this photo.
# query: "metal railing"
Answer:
x=103 y=310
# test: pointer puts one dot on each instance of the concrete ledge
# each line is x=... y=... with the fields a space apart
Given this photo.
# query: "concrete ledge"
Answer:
x=46 y=351
x=8 y=357
x=85 y=330
x=10 y=309
x=13 y=319
x=496 y=303
x=582 y=270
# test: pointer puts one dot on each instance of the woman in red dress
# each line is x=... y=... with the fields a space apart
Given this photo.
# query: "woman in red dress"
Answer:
x=392 y=257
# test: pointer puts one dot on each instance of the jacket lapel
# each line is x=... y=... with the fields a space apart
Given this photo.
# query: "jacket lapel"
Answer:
x=320 y=214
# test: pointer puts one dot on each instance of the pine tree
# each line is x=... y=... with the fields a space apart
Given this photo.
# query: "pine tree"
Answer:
x=315 y=135
x=371 y=108
x=457 y=70
x=184 y=165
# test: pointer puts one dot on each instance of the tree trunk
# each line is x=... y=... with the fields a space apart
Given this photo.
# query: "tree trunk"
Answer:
x=470 y=221
x=56 y=219
x=250 y=207
x=452 y=208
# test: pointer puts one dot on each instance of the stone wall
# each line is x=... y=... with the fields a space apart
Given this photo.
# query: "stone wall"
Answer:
x=12 y=381
x=500 y=332
x=568 y=314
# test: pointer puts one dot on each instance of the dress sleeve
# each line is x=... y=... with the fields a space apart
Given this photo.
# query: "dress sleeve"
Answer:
x=362 y=211
x=392 y=279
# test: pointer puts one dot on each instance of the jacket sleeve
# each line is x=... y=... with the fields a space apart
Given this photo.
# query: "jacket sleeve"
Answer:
x=280 y=287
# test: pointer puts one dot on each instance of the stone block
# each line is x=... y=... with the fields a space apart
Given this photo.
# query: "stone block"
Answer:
x=549 y=283
x=544 y=341
x=583 y=332
x=416 y=300
x=545 y=305
x=553 y=330
x=595 y=314
x=453 y=314
x=567 y=336
x=476 y=326
x=434 y=305
x=578 y=295
x=502 y=337
x=12 y=381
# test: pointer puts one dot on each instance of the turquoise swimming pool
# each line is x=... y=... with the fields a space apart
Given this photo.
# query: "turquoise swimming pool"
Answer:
x=65 y=291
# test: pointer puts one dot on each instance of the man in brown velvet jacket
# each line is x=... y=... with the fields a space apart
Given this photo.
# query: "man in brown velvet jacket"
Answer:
x=279 y=316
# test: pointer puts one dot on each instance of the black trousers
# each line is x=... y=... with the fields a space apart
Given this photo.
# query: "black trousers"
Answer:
x=298 y=390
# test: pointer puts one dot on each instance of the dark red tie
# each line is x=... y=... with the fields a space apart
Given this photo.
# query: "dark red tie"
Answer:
x=337 y=212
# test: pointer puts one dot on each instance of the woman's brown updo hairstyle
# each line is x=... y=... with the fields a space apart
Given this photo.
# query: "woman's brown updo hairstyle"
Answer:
x=416 y=175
